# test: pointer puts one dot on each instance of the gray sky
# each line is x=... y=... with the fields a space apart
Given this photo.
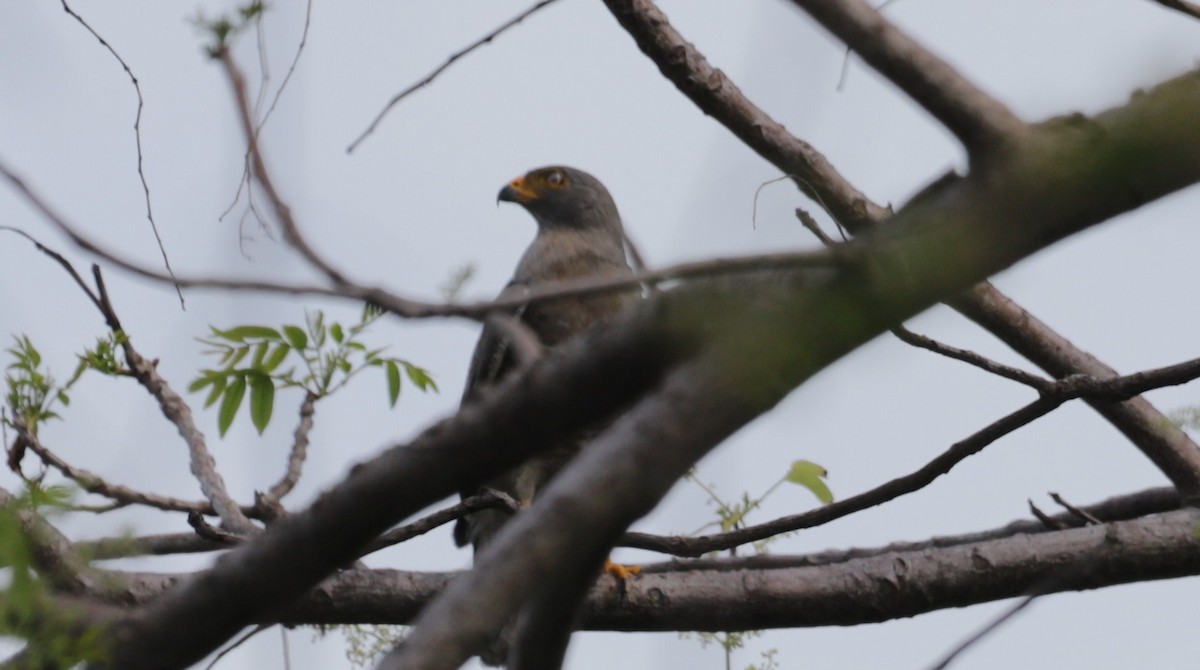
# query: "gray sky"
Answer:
x=568 y=86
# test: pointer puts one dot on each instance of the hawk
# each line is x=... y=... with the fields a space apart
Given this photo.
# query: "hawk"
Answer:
x=579 y=235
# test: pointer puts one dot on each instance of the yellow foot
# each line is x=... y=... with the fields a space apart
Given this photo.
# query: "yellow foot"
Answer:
x=621 y=572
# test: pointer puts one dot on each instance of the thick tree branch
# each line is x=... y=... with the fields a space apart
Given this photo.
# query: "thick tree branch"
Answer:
x=396 y=596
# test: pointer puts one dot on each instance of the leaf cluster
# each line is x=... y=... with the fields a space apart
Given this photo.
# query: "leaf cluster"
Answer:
x=31 y=392
x=323 y=357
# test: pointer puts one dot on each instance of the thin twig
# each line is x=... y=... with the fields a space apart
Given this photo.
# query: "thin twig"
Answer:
x=237 y=643
x=486 y=499
x=245 y=180
x=441 y=68
x=984 y=632
x=970 y=357
x=283 y=213
x=1082 y=514
x=813 y=227
x=137 y=134
x=980 y=122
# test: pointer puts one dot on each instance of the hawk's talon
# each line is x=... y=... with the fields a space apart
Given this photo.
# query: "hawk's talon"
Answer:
x=621 y=572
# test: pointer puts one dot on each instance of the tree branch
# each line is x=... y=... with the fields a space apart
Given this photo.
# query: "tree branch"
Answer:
x=299 y=451
x=915 y=481
x=177 y=411
x=283 y=213
x=486 y=39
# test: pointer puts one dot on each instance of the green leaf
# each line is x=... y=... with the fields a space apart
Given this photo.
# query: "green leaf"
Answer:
x=276 y=357
x=810 y=476
x=242 y=333
x=260 y=352
x=262 y=400
x=231 y=403
x=217 y=389
x=203 y=380
x=62 y=397
x=420 y=377
x=296 y=336
x=336 y=332
x=238 y=356
x=393 y=382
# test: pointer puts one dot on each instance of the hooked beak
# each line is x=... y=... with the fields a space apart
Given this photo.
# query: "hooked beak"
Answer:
x=517 y=191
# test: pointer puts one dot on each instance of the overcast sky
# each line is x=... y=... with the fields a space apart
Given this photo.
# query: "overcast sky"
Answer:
x=417 y=200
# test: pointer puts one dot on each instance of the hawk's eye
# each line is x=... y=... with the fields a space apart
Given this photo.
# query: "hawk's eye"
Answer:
x=555 y=178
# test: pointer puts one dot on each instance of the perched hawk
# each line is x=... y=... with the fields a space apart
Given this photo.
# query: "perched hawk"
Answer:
x=579 y=235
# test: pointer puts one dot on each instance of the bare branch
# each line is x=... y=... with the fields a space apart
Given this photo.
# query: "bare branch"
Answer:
x=299 y=450
x=137 y=134
x=716 y=95
x=486 y=39
x=283 y=213
x=979 y=121
x=914 y=481
x=274 y=101
x=487 y=499
x=972 y=358
x=177 y=411
x=1189 y=8
x=93 y=483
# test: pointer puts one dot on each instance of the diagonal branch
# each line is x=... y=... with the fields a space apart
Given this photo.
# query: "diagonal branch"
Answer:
x=427 y=79
x=914 y=481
